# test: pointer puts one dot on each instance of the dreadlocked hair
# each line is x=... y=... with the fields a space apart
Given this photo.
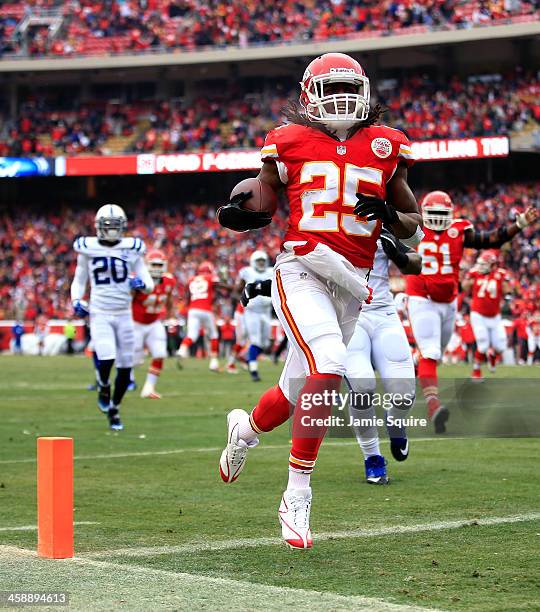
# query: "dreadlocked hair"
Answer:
x=294 y=113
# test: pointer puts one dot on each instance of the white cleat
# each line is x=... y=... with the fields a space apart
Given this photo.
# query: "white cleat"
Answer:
x=183 y=352
x=214 y=364
x=294 y=518
x=149 y=392
x=233 y=457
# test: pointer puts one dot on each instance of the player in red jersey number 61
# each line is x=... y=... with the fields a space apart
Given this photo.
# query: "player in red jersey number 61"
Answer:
x=432 y=294
x=344 y=176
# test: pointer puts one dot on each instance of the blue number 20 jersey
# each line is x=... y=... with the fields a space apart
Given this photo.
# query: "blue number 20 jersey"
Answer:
x=109 y=269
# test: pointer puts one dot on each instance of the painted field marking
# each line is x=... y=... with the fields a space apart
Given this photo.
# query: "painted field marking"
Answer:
x=215 y=449
x=196 y=547
x=102 y=581
x=34 y=527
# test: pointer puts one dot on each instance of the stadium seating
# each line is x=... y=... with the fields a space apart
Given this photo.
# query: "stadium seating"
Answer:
x=420 y=105
x=99 y=28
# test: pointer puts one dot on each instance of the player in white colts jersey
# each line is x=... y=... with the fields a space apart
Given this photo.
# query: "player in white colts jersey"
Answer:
x=115 y=267
x=258 y=312
x=379 y=343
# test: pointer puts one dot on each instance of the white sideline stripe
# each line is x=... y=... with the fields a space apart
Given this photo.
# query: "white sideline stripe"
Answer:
x=176 y=451
x=183 y=589
x=196 y=547
x=34 y=527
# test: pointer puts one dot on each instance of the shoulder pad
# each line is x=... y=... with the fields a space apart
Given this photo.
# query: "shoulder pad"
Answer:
x=84 y=244
x=133 y=244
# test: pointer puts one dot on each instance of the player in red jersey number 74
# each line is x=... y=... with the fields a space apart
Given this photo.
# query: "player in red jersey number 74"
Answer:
x=488 y=284
x=343 y=176
x=432 y=294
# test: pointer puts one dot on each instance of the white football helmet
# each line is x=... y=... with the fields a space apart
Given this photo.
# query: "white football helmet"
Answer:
x=258 y=261
x=157 y=263
x=111 y=222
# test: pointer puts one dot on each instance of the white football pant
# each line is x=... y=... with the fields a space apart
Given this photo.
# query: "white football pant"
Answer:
x=318 y=318
x=432 y=325
x=198 y=319
x=113 y=338
x=488 y=332
x=258 y=327
x=153 y=337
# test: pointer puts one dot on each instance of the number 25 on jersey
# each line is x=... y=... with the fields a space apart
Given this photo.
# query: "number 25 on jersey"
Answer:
x=333 y=191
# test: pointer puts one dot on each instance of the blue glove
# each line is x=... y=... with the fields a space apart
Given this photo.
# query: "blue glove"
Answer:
x=80 y=307
x=136 y=283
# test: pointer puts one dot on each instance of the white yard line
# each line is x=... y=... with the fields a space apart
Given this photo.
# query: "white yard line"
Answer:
x=110 y=586
x=34 y=527
x=199 y=546
x=176 y=451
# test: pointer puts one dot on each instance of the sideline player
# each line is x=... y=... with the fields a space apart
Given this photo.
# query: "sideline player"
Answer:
x=343 y=176
x=115 y=266
x=148 y=311
x=432 y=294
x=257 y=313
x=201 y=291
x=488 y=284
x=379 y=343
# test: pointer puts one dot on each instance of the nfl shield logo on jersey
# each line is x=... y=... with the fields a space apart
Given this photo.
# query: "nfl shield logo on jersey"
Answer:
x=382 y=147
x=341 y=149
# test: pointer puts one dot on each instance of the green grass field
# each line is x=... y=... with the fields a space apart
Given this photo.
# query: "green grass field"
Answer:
x=457 y=528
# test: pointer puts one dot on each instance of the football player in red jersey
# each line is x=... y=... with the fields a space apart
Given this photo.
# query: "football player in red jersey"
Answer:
x=201 y=292
x=343 y=176
x=488 y=285
x=432 y=294
x=148 y=311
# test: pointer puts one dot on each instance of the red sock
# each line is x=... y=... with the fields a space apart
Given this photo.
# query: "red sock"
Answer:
x=494 y=358
x=427 y=377
x=272 y=410
x=156 y=365
x=307 y=436
x=187 y=342
x=479 y=357
x=214 y=345
x=236 y=349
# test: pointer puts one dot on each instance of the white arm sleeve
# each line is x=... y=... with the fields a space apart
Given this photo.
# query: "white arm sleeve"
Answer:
x=414 y=240
x=142 y=272
x=78 y=286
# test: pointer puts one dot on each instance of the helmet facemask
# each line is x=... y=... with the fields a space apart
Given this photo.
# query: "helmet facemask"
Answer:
x=259 y=261
x=437 y=218
x=110 y=228
x=336 y=110
x=157 y=268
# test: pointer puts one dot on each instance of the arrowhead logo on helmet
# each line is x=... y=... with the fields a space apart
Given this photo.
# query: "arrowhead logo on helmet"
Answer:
x=335 y=91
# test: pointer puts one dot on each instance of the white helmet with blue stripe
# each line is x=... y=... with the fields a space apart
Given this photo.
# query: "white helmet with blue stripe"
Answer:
x=111 y=222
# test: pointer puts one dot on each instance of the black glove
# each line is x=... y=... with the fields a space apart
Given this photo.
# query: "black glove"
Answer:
x=252 y=290
x=374 y=208
x=394 y=249
x=240 y=220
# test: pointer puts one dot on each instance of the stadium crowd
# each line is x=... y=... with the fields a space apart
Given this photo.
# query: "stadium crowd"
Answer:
x=420 y=105
x=116 y=26
x=37 y=260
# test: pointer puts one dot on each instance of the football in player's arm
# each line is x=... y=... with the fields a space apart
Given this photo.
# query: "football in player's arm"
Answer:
x=344 y=176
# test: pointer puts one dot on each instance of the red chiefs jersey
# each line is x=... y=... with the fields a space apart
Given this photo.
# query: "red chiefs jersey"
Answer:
x=323 y=175
x=487 y=291
x=149 y=307
x=201 y=291
x=441 y=254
